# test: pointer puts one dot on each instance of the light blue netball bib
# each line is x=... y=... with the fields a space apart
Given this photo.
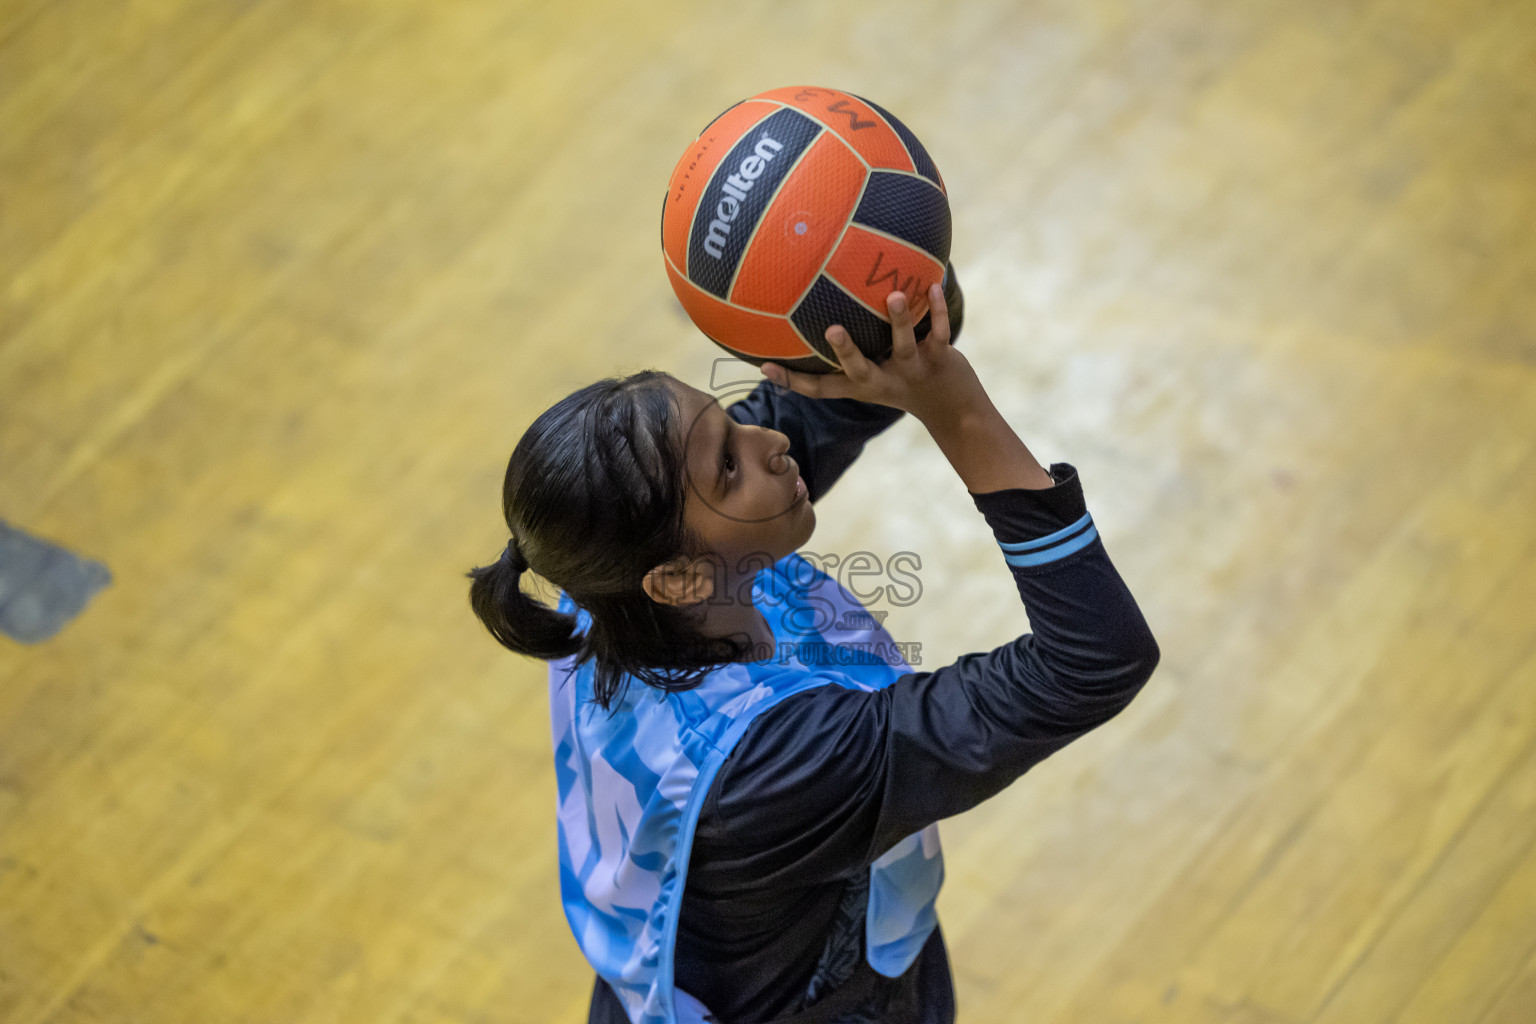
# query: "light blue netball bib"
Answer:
x=631 y=783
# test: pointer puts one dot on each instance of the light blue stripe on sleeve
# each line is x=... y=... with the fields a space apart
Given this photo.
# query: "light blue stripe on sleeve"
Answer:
x=1045 y=542
x=1062 y=550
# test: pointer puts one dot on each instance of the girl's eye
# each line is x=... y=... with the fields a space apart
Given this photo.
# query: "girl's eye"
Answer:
x=730 y=463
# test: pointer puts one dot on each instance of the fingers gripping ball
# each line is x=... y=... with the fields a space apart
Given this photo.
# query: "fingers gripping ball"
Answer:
x=798 y=209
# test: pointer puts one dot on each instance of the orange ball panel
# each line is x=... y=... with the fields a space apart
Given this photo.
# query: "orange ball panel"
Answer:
x=799 y=227
x=693 y=171
x=763 y=335
x=853 y=120
x=871 y=266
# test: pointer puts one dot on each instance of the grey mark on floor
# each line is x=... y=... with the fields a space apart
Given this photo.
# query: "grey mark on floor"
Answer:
x=42 y=586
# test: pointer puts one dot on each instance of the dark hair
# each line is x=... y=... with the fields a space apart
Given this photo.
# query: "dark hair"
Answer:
x=594 y=497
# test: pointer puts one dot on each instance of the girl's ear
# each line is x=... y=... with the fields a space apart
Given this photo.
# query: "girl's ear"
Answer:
x=682 y=581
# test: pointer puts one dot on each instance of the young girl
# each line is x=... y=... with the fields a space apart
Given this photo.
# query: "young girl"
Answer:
x=747 y=825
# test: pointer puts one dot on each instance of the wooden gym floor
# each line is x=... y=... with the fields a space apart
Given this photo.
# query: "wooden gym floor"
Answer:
x=281 y=283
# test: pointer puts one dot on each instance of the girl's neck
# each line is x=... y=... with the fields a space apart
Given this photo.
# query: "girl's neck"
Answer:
x=737 y=619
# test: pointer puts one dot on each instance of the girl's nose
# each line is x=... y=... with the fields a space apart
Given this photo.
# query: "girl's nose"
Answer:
x=778 y=461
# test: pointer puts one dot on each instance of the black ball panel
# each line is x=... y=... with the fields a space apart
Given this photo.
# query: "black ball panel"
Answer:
x=909 y=208
x=827 y=304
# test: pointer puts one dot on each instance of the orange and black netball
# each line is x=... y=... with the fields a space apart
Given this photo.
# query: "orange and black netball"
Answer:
x=797 y=209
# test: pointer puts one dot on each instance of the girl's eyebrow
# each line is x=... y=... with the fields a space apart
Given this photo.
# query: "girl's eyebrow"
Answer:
x=725 y=438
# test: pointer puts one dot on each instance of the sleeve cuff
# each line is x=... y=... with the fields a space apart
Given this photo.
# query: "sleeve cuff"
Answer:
x=1035 y=527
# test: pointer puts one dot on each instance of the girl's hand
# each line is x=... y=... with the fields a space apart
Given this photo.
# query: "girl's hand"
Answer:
x=929 y=379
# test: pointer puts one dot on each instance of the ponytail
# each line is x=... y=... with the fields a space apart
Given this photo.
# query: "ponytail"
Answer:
x=519 y=622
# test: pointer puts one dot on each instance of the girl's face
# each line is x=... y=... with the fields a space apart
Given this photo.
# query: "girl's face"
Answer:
x=746 y=499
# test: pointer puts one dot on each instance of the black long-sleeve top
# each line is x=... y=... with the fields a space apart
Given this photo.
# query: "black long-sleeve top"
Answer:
x=826 y=781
